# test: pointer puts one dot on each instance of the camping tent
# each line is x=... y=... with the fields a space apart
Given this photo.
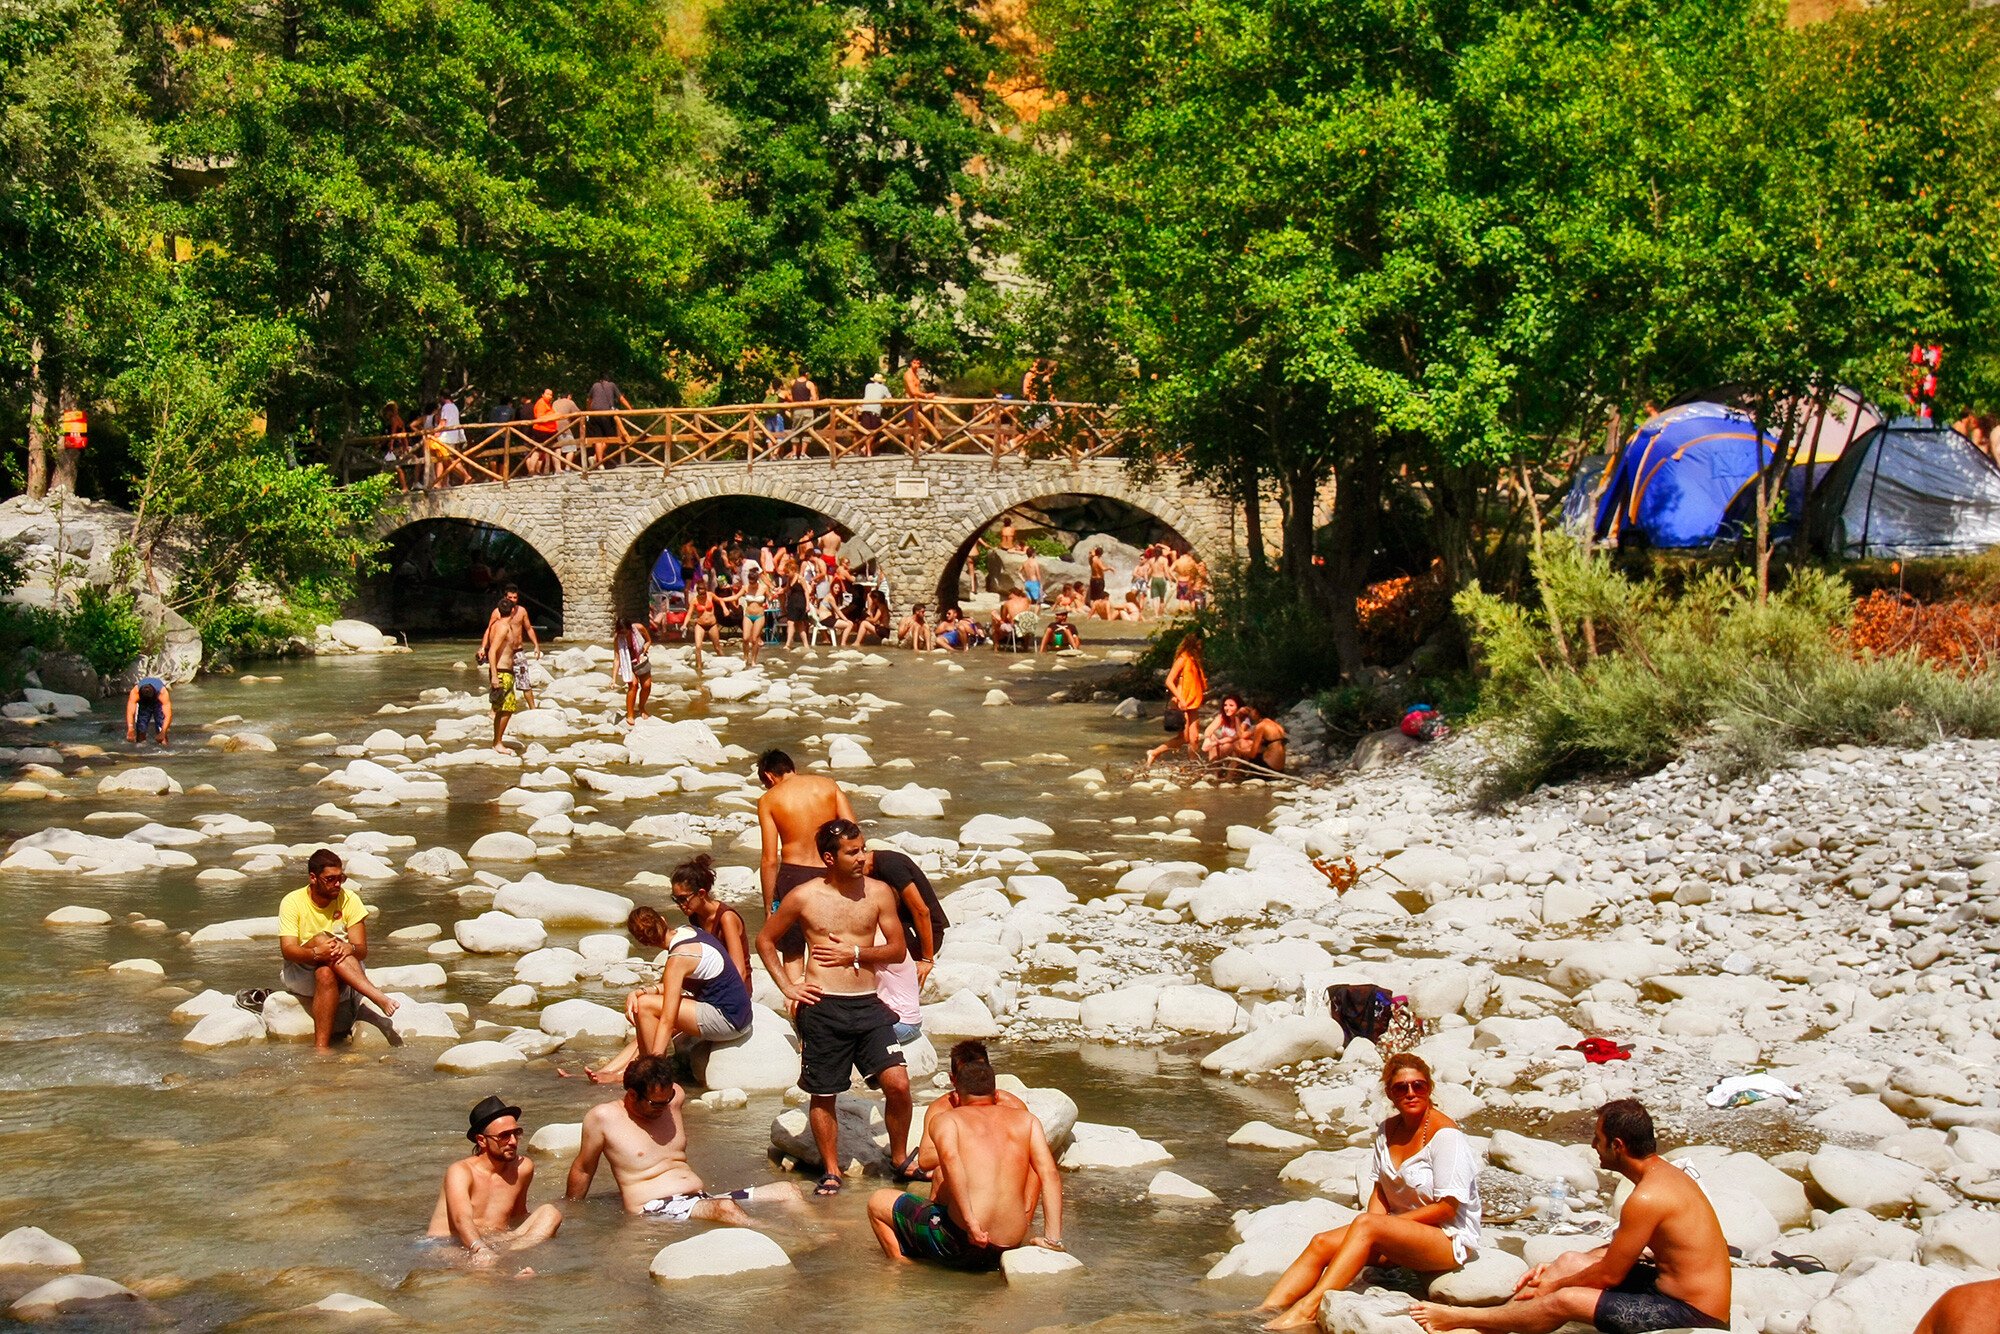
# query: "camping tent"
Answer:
x=1822 y=435
x=1909 y=489
x=1685 y=477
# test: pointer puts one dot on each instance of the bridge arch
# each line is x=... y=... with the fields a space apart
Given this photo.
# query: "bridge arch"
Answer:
x=443 y=572
x=636 y=540
x=1169 y=518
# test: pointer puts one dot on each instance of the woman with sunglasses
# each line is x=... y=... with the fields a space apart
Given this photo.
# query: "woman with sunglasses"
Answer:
x=1423 y=1209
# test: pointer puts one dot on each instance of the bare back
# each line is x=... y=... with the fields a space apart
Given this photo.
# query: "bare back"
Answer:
x=648 y=1159
x=796 y=808
x=1686 y=1241
x=503 y=640
x=986 y=1173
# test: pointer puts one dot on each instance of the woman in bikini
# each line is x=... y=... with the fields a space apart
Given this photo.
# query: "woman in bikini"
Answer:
x=704 y=616
x=1423 y=1211
x=1218 y=743
x=756 y=602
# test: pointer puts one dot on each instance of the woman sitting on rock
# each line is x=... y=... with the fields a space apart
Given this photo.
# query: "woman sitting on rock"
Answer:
x=1423 y=1210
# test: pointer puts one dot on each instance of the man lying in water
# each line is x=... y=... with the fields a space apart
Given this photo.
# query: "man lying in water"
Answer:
x=483 y=1204
x=989 y=1162
x=644 y=1138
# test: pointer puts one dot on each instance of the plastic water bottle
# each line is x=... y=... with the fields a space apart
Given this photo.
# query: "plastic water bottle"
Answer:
x=1558 y=1212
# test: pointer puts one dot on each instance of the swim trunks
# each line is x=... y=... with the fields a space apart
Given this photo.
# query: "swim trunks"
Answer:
x=841 y=1033
x=927 y=1232
x=1033 y=588
x=1159 y=588
x=149 y=722
x=1096 y=593
x=680 y=1208
x=502 y=696
x=1637 y=1306
x=790 y=877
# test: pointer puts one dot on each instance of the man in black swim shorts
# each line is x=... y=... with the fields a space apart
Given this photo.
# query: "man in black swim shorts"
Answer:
x=1686 y=1286
x=843 y=1026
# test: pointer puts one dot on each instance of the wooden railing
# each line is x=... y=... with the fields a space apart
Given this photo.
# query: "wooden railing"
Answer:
x=751 y=434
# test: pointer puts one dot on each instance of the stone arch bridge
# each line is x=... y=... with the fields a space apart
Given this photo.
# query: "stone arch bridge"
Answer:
x=599 y=530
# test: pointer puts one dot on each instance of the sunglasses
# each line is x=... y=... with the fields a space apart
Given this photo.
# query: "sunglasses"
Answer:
x=1402 y=1086
x=501 y=1134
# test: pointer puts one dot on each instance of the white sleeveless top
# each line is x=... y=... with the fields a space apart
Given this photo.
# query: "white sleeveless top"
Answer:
x=1445 y=1168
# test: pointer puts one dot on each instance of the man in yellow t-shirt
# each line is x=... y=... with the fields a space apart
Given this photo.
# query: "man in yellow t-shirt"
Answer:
x=323 y=934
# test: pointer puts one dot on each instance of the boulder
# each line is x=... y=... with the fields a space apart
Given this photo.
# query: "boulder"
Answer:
x=560 y=1140
x=1126 y=1007
x=962 y=1015
x=573 y=905
x=32 y=1248
x=344 y=1303
x=499 y=933
x=1199 y=1009
x=762 y=1061
x=1033 y=1264
x=1285 y=1041
x=1264 y=1135
x=1854 y=1178
x=1271 y=1238
x=286 y=1017
x=358 y=636
x=416 y=1020
x=1378 y=750
x=145 y=781
x=1963 y=1238
x=476 y=1058
x=568 y=1019
x=1374 y=1311
x=503 y=846
x=225 y=1028
x=912 y=801
x=1487 y=1279
x=1603 y=960
x=438 y=863
x=1876 y=1297
x=719 y=1254
x=1101 y=1146
x=863 y=1135
x=654 y=741
x=1173 y=1186
x=1541 y=1160
x=70 y=1294
x=77 y=916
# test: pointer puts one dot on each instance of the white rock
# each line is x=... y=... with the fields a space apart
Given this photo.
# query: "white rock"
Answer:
x=1173 y=1186
x=1487 y=1279
x=286 y=1017
x=1852 y=1178
x=1199 y=1009
x=762 y=1061
x=719 y=1254
x=77 y=916
x=1273 y=1237
x=438 y=863
x=996 y=698
x=1963 y=1238
x=657 y=742
x=962 y=1015
x=1880 y=1297
x=568 y=1019
x=1264 y=1135
x=32 y=1248
x=1285 y=1041
x=416 y=1020
x=203 y=1005
x=345 y=1303
x=1541 y=1160
x=225 y=1028
x=473 y=1058
x=1030 y=1264
x=846 y=753
x=549 y=901
x=1101 y=1146
x=1374 y=1311
x=408 y=977
x=499 y=933
x=517 y=997
x=1126 y=1007
x=911 y=802
x=503 y=846
x=560 y=1140
x=146 y=780
x=70 y=1293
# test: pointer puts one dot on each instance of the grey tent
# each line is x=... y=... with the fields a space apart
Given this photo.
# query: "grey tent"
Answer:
x=1909 y=488
x=1580 y=501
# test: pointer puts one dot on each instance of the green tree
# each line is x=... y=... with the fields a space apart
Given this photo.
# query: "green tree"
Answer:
x=75 y=156
x=852 y=180
x=493 y=192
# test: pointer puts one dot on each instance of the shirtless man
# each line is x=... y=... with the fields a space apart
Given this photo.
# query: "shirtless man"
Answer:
x=1031 y=578
x=915 y=631
x=1969 y=1308
x=851 y=923
x=1098 y=573
x=1183 y=572
x=1009 y=537
x=991 y=1161
x=505 y=630
x=644 y=1138
x=789 y=816
x=483 y=1203
x=1261 y=741
x=1685 y=1286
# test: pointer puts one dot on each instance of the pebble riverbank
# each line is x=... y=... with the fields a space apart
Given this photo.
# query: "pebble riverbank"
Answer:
x=1832 y=927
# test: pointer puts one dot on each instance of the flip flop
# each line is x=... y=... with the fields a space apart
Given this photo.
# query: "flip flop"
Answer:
x=252 y=999
x=1798 y=1264
x=907 y=1172
x=829 y=1184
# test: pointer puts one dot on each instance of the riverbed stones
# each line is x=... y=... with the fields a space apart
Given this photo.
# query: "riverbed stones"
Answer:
x=552 y=902
x=286 y=1017
x=654 y=741
x=1962 y=1238
x=1036 y=1264
x=962 y=1015
x=1487 y=1279
x=1269 y=1239
x=1854 y=1178
x=720 y=1253
x=912 y=801
x=1878 y=1296
x=75 y=915
x=438 y=863
x=1264 y=1135
x=225 y=1028
x=146 y=780
x=762 y=1061
x=478 y=1058
x=499 y=933
x=1284 y=1041
x=1541 y=1160
x=576 y=1018
x=503 y=846
x=1094 y=1146
x=1173 y=1186
x=560 y=1139
x=1375 y=1310
x=70 y=1295
x=32 y=1248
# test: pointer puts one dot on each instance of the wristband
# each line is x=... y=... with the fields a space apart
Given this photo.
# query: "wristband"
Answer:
x=857 y=958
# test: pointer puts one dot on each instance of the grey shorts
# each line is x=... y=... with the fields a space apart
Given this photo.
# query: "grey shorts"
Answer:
x=300 y=981
x=714 y=1025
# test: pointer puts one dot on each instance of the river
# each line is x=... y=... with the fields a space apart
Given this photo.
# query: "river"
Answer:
x=253 y=1180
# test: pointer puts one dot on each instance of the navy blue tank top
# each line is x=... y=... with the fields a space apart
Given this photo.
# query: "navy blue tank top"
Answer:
x=726 y=991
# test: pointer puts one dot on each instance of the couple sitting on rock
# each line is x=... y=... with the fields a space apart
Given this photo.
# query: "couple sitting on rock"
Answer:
x=1423 y=1214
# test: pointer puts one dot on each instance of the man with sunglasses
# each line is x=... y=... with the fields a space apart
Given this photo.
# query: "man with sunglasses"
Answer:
x=483 y=1204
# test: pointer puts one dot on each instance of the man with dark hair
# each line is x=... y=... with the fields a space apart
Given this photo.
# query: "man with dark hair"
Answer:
x=644 y=1137
x=850 y=923
x=149 y=711
x=991 y=1162
x=1261 y=741
x=1685 y=1286
x=901 y=984
x=483 y=1203
x=323 y=936
x=506 y=628
x=789 y=816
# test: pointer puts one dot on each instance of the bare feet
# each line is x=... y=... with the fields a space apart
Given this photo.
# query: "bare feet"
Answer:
x=1295 y=1319
x=1432 y=1316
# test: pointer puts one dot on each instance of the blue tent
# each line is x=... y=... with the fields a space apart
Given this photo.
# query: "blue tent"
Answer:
x=1686 y=477
x=667 y=574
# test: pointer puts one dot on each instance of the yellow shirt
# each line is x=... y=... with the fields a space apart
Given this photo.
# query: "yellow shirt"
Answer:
x=302 y=919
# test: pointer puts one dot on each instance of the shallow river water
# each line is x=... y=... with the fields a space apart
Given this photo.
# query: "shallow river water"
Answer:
x=256 y=1179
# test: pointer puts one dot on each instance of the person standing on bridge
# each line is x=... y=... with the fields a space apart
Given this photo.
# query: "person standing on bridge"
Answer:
x=604 y=397
x=872 y=399
x=913 y=389
x=801 y=390
x=543 y=429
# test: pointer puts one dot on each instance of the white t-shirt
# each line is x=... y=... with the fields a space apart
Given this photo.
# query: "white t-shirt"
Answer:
x=876 y=392
x=1445 y=1168
x=448 y=427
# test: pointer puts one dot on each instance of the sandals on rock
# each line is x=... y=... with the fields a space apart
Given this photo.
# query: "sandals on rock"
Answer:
x=907 y=1171
x=252 y=999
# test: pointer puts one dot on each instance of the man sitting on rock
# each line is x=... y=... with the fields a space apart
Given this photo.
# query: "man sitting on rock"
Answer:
x=483 y=1203
x=842 y=1024
x=644 y=1138
x=1686 y=1285
x=323 y=935
x=990 y=1162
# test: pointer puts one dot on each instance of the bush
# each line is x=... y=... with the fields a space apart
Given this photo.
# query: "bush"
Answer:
x=1258 y=636
x=236 y=632
x=104 y=630
x=1617 y=674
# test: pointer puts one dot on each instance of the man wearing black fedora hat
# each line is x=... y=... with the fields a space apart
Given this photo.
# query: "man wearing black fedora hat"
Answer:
x=484 y=1201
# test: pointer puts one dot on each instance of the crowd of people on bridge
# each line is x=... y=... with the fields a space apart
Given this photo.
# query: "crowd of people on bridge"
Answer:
x=438 y=445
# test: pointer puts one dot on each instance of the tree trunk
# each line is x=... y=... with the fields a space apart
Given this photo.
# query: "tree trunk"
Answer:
x=1253 y=519
x=66 y=458
x=38 y=424
x=1357 y=503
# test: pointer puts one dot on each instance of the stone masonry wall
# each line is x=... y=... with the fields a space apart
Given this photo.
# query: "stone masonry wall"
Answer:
x=589 y=526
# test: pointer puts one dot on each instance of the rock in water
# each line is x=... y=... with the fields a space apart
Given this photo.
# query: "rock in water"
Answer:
x=568 y=1019
x=77 y=916
x=762 y=1061
x=474 y=1058
x=70 y=1293
x=548 y=901
x=1174 y=1186
x=226 y=1028
x=145 y=781
x=1030 y=1264
x=1370 y=1312
x=500 y=933
x=1486 y=1280
x=32 y=1248
x=559 y=1140
x=1264 y=1135
x=503 y=847
x=718 y=1254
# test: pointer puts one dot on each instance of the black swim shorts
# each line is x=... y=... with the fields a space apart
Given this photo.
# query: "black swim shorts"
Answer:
x=840 y=1034
x=927 y=1232
x=1637 y=1306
